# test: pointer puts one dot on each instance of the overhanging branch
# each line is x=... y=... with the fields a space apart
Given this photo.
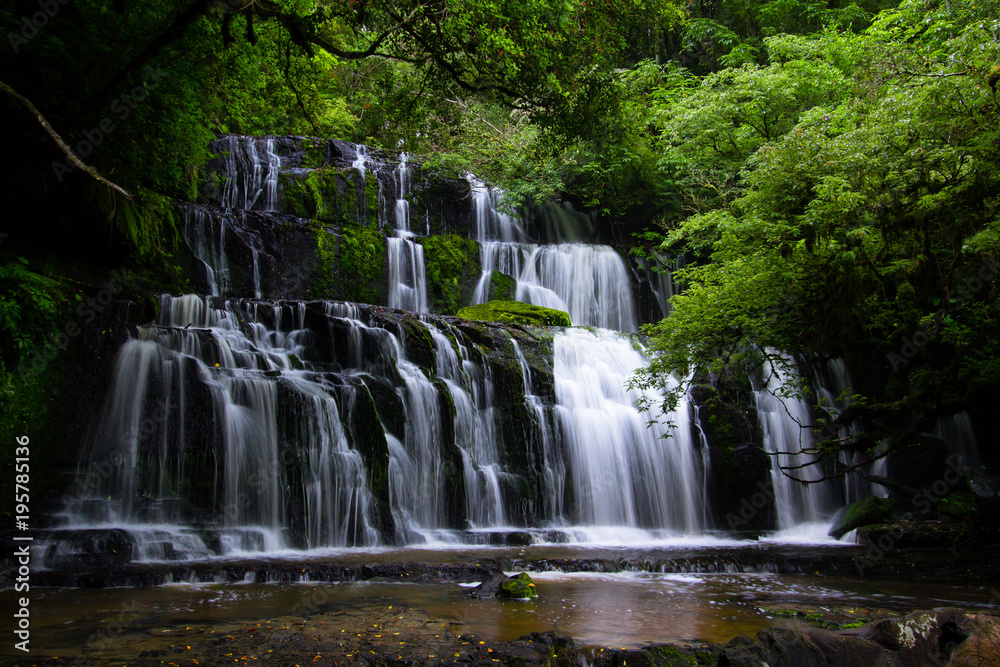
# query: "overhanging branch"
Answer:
x=93 y=173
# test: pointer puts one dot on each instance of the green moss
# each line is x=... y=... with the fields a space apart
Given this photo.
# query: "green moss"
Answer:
x=862 y=513
x=351 y=264
x=362 y=264
x=314 y=154
x=371 y=196
x=331 y=195
x=452 y=266
x=502 y=287
x=516 y=312
x=326 y=254
x=958 y=505
x=350 y=209
x=669 y=656
x=517 y=587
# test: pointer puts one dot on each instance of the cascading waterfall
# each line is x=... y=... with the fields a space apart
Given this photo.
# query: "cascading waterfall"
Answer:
x=587 y=281
x=251 y=171
x=471 y=390
x=249 y=426
x=624 y=474
x=552 y=460
x=250 y=179
x=407 y=276
x=833 y=388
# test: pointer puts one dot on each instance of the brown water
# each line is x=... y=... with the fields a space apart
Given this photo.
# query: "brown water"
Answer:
x=623 y=609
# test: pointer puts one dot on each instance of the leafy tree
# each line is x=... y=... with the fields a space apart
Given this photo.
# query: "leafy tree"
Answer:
x=864 y=221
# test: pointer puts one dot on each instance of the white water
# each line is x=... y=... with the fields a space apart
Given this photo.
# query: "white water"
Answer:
x=588 y=281
x=624 y=473
x=960 y=438
x=407 y=275
x=790 y=446
x=834 y=390
x=236 y=388
x=251 y=171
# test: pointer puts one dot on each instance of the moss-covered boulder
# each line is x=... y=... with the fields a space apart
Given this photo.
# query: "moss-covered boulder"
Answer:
x=516 y=312
x=517 y=587
x=862 y=513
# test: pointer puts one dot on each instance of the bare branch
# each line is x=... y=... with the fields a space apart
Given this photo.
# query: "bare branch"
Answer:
x=62 y=144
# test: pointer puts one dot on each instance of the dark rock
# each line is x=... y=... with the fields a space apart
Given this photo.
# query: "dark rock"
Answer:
x=936 y=637
x=740 y=490
x=489 y=587
x=930 y=637
x=909 y=534
x=801 y=648
x=655 y=655
x=862 y=513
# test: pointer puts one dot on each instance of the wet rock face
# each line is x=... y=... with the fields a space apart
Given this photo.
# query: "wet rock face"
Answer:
x=740 y=485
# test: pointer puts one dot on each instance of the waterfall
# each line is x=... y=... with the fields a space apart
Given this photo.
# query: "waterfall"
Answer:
x=251 y=170
x=553 y=462
x=471 y=390
x=960 y=438
x=783 y=418
x=624 y=473
x=833 y=388
x=590 y=282
x=235 y=425
x=407 y=276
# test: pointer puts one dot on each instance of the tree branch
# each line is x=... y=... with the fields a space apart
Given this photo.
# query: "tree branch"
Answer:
x=62 y=144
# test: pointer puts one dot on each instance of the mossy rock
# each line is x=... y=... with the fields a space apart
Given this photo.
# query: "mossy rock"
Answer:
x=517 y=587
x=862 y=513
x=502 y=286
x=452 y=265
x=517 y=313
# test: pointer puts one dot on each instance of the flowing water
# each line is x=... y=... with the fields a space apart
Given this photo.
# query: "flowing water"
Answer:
x=588 y=281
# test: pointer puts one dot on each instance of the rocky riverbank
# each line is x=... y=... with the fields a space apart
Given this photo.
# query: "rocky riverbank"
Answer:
x=384 y=635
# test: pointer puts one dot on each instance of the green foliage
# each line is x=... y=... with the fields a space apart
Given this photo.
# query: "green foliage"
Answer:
x=847 y=197
x=30 y=305
x=516 y=312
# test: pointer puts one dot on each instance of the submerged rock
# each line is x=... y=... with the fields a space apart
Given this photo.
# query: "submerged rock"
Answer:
x=862 y=513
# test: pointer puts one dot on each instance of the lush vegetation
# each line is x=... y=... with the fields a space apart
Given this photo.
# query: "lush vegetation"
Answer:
x=844 y=201
x=829 y=168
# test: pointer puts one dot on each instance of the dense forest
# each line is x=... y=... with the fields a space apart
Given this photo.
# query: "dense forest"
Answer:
x=828 y=169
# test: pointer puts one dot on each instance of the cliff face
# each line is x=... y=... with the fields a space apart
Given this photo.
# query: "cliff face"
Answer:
x=304 y=218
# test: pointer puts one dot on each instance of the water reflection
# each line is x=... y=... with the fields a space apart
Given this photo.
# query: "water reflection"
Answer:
x=618 y=609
